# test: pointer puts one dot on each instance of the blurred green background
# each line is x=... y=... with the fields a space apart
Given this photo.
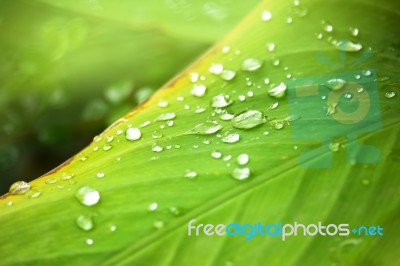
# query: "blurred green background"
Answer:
x=69 y=68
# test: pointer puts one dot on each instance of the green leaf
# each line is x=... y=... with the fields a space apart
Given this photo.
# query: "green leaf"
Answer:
x=183 y=174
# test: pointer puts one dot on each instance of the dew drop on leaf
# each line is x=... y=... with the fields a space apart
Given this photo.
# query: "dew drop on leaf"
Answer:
x=243 y=159
x=241 y=173
x=205 y=128
x=248 y=119
x=390 y=94
x=348 y=46
x=19 y=188
x=153 y=206
x=133 y=133
x=216 y=154
x=87 y=195
x=228 y=74
x=84 y=222
x=166 y=116
x=335 y=84
x=198 y=90
x=230 y=136
x=278 y=91
x=107 y=147
x=190 y=174
x=221 y=100
x=266 y=15
x=216 y=69
x=251 y=64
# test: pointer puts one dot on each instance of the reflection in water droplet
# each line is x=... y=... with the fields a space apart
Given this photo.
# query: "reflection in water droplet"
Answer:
x=230 y=136
x=87 y=195
x=243 y=159
x=278 y=91
x=198 y=90
x=84 y=222
x=241 y=173
x=248 y=119
x=19 y=188
x=390 y=94
x=251 y=64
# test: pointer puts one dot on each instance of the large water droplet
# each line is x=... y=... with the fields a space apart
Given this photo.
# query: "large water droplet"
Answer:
x=84 y=222
x=133 y=133
x=228 y=74
x=348 y=46
x=230 y=136
x=221 y=100
x=278 y=91
x=243 y=159
x=19 y=188
x=251 y=64
x=166 y=116
x=241 y=173
x=87 y=195
x=335 y=84
x=248 y=119
x=198 y=90
x=205 y=128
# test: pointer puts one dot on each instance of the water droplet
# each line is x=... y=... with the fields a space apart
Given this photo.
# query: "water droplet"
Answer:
x=331 y=109
x=226 y=116
x=251 y=64
x=33 y=194
x=335 y=84
x=390 y=94
x=357 y=76
x=289 y=20
x=266 y=15
x=319 y=35
x=190 y=174
x=226 y=49
x=300 y=11
x=9 y=203
x=241 y=173
x=327 y=27
x=156 y=135
x=270 y=47
x=242 y=98
x=162 y=103
x=278 y=125
x=292 y=118
x=250 y=93
x=95 y=148
x=228 y=74
x=334 y=146
x=50 y=181
x=87 y=195
x=97 y=138
x=170 y=123
x=273 y=106
x=84 y=222
x=248 y=119
x=278 y=91
x=216 y=154
x=66 y=176
x=275 y=61
x=359 y=90
x=227 y=158
x=266 y=133
x=221 y=100
x=156 y=147
x=194 y=77
x=266 y=81
x=230 y=136
x=100 y=175
x=216 y=69
x=348 y=46
x=198 y=90
x=166 y=116
x=366 y=73
x=89 y=241
x=19 y=188
x=119 y=132
x=113 y=228
x=83 y=158
x=153 y=206
x=205 y=128
x=353 y=31
x=243 y=159
x=175 y=210
x=107 y=147
x=109 y=139
x=158 y=224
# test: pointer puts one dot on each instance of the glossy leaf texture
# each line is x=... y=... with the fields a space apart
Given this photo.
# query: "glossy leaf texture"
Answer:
x=181 y=166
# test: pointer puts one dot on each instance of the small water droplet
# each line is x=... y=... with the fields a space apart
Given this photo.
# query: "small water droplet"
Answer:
x=390 y=94
x=353 y=31
x=266 y=15
x=266 y=81
x=266 y=133
x=366 y=73
x=278 y=125
x=331 y=109
x=270 y=47
x=97 y=138
x=84 y=222
x=83 y=158
x=162 y=103
x=250 y=94
x=228 y=74
x=33 y=194
x=348 y=46
x=198 y=90
x=19 y=188
x=278 y=91
x=66 y=176
x=241 y=173
x=335 y=84
x=216 y=69
x=359 y=90
x=89 y=241
x=158 y=224
x=289 y=20
x=87 y=195
x=348 y=95
x=190 y=174
x=242 y=98
x=194 y=77
x=230 y=136
x=216 y=154
x=319 y=35
x=119 y=132
x=9 y=203
x=166 y=116
x=156 y=147
x=248 y=119
x=226 y=116
x=153 y=206
x=327 y=27
x=100 y=175
x=243 y=159
x=275 y=61
x=251 y=64
x=323 y=97
x=107 y=147
x=292 y=118
x=300 y=11
x=156 y=134
x=226 y=49
x=273 y=106
x=334 y=146
x=109 y=139
x=50 y=181
x=175 y=210
x=113 y=228
x=170 y=123
x=145 y=124
x=357 y=76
